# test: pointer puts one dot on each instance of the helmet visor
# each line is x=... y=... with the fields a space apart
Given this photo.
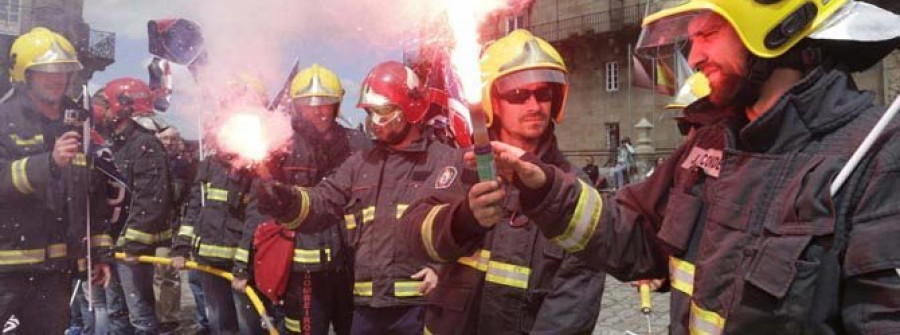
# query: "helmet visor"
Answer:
x=382 y=115
x=519 y=79
x=666 y=28
x=61 y=67
x=316 y=101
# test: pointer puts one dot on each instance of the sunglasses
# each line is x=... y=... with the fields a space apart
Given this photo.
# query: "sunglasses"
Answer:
x=382 y=115
x=520 y=95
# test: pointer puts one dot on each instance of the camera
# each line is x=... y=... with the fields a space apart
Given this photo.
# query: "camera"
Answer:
x=74 y=119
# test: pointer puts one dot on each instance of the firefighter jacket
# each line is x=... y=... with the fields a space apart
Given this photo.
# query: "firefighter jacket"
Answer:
x=312 y=157
x=43 y=208
x=221 y=217
x=369 y=193
x=742 y=221
x=508 y=280
x=143 y=163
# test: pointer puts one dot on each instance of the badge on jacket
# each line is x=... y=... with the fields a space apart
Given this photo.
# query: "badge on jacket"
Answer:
x=710 y=160
x=448 y=175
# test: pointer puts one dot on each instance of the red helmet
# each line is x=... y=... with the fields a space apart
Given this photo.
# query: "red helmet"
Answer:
x=127 y=97
x=391 y=84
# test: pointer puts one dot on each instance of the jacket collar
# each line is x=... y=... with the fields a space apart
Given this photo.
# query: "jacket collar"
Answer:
x=820 y=103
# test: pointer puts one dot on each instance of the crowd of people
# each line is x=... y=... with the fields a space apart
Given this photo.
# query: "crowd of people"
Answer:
x=391 y=230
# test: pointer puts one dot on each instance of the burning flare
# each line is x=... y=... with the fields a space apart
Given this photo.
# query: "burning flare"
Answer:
x=252 y=133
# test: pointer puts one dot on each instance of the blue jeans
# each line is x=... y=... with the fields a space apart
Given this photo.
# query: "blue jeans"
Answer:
x=110 y=311
x=137 y=281
x=199 y=299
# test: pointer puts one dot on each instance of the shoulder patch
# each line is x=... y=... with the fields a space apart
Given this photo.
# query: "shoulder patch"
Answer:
x=710 y=160
x=446 y=178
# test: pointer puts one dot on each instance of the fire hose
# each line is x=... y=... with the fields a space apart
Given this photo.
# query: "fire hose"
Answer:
x=251 y=293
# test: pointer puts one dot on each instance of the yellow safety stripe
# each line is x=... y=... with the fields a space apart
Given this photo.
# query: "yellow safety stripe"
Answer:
x=216 y=194
x=79 y=160
x=304 y=210
x=311 y=256
x=401 y=208
x=102 y=240
x=20 y=176
x=209 y=250
x=681 y=274
x=362 y=289
x=37 y=139
x=242 y=255
x=428 y=233
x=186 y=231
x=584 y=222
x=57 y=250
x=350 y=220
x=132 y=234
x=508 y=274
x=478 y=260
x=292 y=325
x=82 y=264
x=407 y=288
x=704 y=322
x=368 y=214
x=16 y=257
x=427 y=332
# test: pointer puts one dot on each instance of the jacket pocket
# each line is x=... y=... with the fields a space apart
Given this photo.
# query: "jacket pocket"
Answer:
x=777 y=264
x=682 y=215
x=808 y=208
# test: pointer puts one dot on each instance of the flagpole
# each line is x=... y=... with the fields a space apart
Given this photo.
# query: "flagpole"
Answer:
x=630 y=84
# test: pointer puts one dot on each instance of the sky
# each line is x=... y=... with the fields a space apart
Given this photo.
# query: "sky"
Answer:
x=262 y=38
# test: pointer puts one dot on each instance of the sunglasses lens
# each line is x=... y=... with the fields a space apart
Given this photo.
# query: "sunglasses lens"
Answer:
x=520 y=96
x=543 y=94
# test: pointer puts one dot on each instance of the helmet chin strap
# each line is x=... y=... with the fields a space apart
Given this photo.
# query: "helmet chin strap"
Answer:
x=801 y=57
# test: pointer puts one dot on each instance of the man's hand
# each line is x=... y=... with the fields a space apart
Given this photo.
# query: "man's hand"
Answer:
x=130 y=259
x=239 y=284
x=65 y=148
x=429 y=280
x=178 y=262
x=484 y=200
x=100 y=274
x=654 y=284
x=277 y=200
x=509 y=163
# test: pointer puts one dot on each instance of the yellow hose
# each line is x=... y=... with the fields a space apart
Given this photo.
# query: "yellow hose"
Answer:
x=251 y=293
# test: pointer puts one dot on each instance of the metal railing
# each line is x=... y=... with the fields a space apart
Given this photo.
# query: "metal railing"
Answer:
x=102 y=45
x=599 y=22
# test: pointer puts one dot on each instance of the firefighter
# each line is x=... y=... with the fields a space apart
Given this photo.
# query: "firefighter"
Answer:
x=694 y=88
x=321 y=282
x=367 y=195
x=44 y=188
x=742 y=219
x=217 y=228
x=142 y=160
x=511 y=280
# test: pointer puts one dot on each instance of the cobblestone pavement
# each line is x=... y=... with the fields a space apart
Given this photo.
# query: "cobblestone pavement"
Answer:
x=620 y=312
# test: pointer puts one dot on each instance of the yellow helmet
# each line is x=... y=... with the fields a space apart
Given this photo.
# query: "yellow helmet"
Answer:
x=768 y=28
x=694 y=88
x=522 y=58
x=316 y=85
x=41 y=50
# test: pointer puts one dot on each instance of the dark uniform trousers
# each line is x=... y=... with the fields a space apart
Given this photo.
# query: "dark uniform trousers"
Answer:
x=317 y=299
x=225 y=320
x=36 y=299
x=401 y=320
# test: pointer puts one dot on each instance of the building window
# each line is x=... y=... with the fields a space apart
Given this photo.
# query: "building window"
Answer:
x=612 y=76
x=9 y=16
x=612 y=135
x=515 y=22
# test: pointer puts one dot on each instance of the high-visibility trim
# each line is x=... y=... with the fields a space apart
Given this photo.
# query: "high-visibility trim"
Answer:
x=368 y=214
x=209 y=250
x=37 y=139
x=82 y=264
x=426 y=331
x=186 y=231
x=57 y=250
x=350 y=221
x=292 y=325
x=18 y=257
x=304 y=210
x=478 y=261
x=242 y=255
x=102 y=240
x=20 y=176
x=312 y=256
x=216 y=194
x=79 y=160
x=508 y=274
x=428 y=233
x=362 y=289
x=704 y=322
x=584 y=222
x=681 y=274
x=401 y=208
x=132 y=234
x=407 y=288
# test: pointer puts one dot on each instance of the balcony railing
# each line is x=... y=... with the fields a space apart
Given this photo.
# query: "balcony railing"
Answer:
x=599 y=22
x=102 y=45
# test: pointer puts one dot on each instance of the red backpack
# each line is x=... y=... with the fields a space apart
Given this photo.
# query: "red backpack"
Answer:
x=273 y=247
